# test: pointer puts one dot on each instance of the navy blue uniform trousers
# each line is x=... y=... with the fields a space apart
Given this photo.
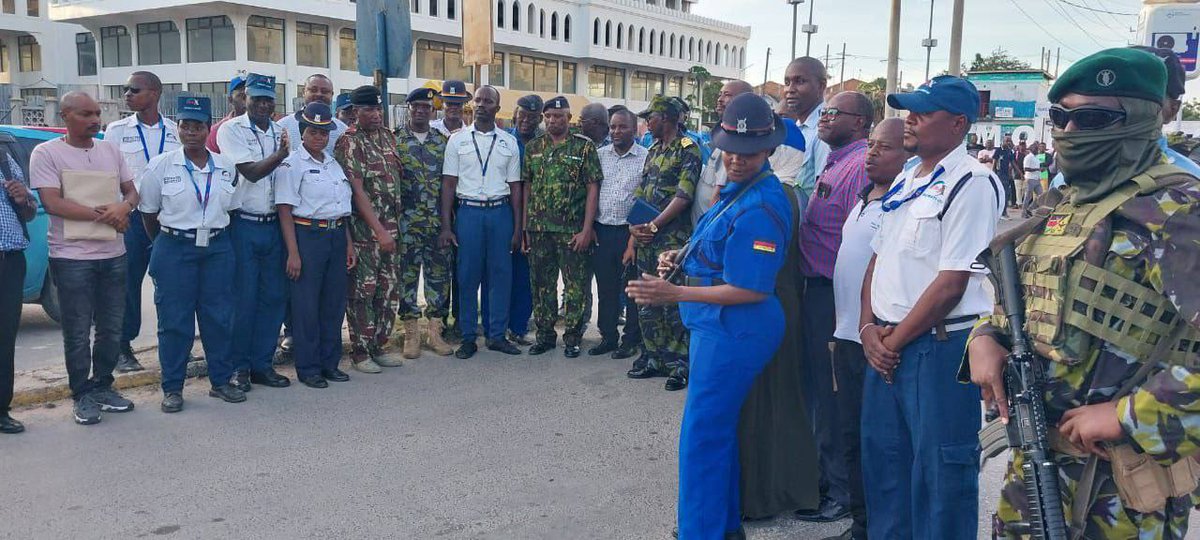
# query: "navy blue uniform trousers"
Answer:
x=484 y=247
x=193 y=284
x=137 y=256
x=520 y=298
x=261 y=288
x=319 y=299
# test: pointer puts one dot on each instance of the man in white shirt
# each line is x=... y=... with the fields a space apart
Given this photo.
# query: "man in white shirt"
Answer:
x=141 y=137
x=317 y=89
x=803 y=92
x=454 y=97
x=1033 y=177
x=922 y=294
x=481 y=215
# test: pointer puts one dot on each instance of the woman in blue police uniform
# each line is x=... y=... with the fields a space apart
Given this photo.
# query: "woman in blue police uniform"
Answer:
x=187 y=195
x=728 y=302
x=313 y=199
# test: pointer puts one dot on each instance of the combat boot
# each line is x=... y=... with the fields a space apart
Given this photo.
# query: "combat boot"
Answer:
x=412 y=339
x=436 y=343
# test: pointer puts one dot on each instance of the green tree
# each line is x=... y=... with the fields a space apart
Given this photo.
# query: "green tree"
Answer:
x=1191 y=109
x=700 y=100
x=876 y=91
x=997 y=60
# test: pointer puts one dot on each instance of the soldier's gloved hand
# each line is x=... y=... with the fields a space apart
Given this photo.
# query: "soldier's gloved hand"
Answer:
x=987 y=358
x=447 y=239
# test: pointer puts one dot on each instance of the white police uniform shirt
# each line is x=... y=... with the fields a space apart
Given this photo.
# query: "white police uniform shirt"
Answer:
x=440 y=125
x=913 y=244
x=466 y=153
x=138 y=149
x=316 y=189
x=243 y=142
x=175 y=195
x=292 y=126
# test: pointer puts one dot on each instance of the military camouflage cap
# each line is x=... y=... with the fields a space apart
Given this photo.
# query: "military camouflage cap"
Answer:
x=664 y=105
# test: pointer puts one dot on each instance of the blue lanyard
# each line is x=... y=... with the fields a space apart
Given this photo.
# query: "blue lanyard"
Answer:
x=262 y=149
x=162 y=141
x=890 y=205
x=187 y=164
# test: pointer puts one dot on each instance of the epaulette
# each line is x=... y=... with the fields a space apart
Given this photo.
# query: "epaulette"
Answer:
x=582 y=136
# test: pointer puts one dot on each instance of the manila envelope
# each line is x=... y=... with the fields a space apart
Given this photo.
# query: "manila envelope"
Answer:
x=89 y=188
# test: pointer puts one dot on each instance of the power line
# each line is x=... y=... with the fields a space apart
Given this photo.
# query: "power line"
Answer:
x=1097 y=10
x=1043 y=29
x=1072 y=20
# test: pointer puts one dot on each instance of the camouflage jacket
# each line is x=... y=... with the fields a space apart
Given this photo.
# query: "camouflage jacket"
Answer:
x=672 y=170
x=557 y=176
x=422 y=189
x=372 y=157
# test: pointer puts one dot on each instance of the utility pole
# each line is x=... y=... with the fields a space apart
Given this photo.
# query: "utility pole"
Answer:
x=929 y=43
x=1042 y=60
x=893 y=67
x=767 y=71
x=809 y=28
x=842 y=77
x=1057 y=61
x=956 y=32
x=795 y=21
x=826 y=56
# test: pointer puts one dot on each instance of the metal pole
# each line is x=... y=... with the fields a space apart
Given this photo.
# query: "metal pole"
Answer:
x=1057 y=61
x=808 y=45
x=893 y=67
x=826 y=56
x=842 y=77
x=381 y=74
x=929 y=46
x=767 y=71
x=956 y=32
x=795 y=21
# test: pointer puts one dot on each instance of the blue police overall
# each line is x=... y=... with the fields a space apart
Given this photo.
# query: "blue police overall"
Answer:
x=742 y=243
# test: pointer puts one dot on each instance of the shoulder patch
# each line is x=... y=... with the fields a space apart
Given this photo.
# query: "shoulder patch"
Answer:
x=686 y=141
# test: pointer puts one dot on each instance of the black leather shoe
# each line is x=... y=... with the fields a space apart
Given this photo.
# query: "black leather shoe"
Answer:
x=172 y=402
x=521 y=340
x=241 y=380
x=335 y=375
x=829 y=511
x=314 y=381
x=675 y=382
x=502 y=345
x=228 y=393
x=270 y=378
x=10 y=425
x=126 y=361
x=571 y=351
x=644 y=372
x=604 y=347
x=626 y=350
x=541 y=347
x=466 y=350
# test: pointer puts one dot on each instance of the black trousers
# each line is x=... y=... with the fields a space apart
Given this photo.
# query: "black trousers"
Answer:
x=12 y=280
x=849 y=368
x=818 y=323
x=610 y=282
x=93 y=293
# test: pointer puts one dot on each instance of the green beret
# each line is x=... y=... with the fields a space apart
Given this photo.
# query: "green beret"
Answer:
x=1119 y=72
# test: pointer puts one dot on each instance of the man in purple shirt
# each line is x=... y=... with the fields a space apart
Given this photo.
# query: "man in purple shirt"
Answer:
x=844 y=126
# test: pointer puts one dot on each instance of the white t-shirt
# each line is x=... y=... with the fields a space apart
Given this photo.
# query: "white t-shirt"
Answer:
x=1032 y=162
x=469 y=150
x=913 y=245
x=852 y=259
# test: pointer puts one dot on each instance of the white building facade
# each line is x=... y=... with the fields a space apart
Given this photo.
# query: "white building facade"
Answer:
x=609 y=51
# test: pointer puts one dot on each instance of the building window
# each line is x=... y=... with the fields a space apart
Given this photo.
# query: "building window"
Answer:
x=542 y=23
x=496 y=70
x=568 y=78
x=158 y=43
x=349 y=49
x=567 y=28
x=645 y=86
x=596 y=31
x=33 y=8
x=3 y=57
x=85 y=53
x=264 y=36
x=433 y=8
x=499 y=13
x=620 y=36
x=116 y=47
x=416 y=6
x=675 y=87
x=608 y=33
x=529 y=26
x=516 y=16
x=210 y=39
x=10 y=7
x=280 y=98
x=29 y=54
x=606 y=81
x=554 y=26
x=451 y=9
x=437 y=60
x=209 y=88
x=312 y=44
x=534 y=74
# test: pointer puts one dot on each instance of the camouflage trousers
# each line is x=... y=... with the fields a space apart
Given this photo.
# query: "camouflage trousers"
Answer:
x=421 y=251
x=664 y=336
x=374 y=296
x=549 y=254
x=1107 y=517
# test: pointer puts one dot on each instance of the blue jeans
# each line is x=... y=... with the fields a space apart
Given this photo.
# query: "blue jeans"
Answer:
x=520 y=304
x=137 y=256
x=193 y=284
x=319 y=299
x=920 y=446
x=484 y=246
x=92 y=292
x=261 y=288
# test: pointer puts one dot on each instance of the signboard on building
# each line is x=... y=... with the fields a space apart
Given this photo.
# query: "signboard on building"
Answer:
x=1174 y=26
x=1004 y=112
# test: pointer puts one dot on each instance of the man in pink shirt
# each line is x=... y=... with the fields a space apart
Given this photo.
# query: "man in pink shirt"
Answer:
x=237 y=107
x=88 y=266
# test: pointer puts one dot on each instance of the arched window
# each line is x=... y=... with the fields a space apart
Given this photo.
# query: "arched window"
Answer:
x=682 y=49
x=567 y=28
x=742 y=59
x=554 y=25
x=642 y=40
x=662 y=49
x=596 y=31
x=542 y=23
x=530 y=23
x=608 y=33
x=500 y=13
x=691 y=49
x=672 y=45
x=620 y=35
x=653 y=49
x=516 y=15
x=708 y=52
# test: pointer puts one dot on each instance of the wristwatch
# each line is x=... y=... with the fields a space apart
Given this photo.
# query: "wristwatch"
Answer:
x=653 y=228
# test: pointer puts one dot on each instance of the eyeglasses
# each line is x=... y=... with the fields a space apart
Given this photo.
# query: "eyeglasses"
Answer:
x=1085 y=118
x=131 y=90
x=834 y=112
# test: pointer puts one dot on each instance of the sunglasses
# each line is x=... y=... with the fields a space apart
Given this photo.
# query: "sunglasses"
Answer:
x=1085 y=118
x=834 y=113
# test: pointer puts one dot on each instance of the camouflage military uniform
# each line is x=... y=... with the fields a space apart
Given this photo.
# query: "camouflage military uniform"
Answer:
x=558 y=176
x=420 y=223
x=672 y=170
x=1153 y=240
x=371 y=157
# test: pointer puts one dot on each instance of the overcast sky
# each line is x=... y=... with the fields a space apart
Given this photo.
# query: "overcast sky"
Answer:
x=863 y=26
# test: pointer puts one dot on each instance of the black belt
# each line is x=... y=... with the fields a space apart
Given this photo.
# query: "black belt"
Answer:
x=819 y=281
x=483 y=204
x=691 y=281
x=941 y=329
x=258 y=218
x=188 y=233
x=10 y=253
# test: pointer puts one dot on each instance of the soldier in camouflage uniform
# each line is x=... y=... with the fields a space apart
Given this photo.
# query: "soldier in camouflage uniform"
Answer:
x=563 y=173
x=668 y=182
x=420 y=224
x=372 y=163
x=1132 y=222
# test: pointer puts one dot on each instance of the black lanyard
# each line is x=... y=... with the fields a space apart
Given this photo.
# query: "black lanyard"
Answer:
x=484 y=163
x=162 y=141
x=262 y=149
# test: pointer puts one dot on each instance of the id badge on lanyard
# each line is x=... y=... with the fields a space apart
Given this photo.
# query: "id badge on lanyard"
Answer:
x=202 y=237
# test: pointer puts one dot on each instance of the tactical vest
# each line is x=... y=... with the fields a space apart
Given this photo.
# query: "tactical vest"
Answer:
x=1072 y=302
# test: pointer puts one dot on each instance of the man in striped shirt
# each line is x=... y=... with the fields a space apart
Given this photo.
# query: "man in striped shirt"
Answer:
x=844 y=125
